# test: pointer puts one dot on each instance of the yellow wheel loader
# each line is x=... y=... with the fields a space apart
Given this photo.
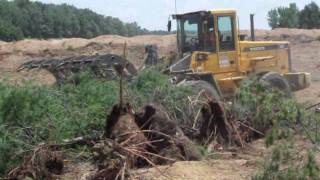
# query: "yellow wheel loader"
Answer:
x=215 y=56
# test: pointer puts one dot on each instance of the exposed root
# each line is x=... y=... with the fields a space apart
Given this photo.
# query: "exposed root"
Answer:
x=146 y=139
x=222 y=128
x=168 y=139
x=42 y=163
x=214 y=124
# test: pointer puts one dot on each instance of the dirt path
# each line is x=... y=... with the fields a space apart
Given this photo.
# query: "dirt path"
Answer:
x=306 y=57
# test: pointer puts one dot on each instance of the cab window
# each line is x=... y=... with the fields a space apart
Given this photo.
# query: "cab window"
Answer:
x=226 y=33
x=210 y=39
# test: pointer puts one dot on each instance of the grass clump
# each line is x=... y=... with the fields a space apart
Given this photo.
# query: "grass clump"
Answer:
x=286 y=163
x=30 y=114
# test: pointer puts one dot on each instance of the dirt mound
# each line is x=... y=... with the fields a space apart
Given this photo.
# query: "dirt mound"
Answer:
x=13 y=54
x=285 y=34
x=37 y=46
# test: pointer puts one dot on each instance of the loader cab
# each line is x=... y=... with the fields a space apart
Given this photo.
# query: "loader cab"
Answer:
x=211 y=38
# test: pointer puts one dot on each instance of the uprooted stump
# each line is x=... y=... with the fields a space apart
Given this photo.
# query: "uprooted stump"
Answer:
x=42 y=163
x=166 y=138
x=214 y=125
x=123 y=148
x=146 y=139
x=222 y=128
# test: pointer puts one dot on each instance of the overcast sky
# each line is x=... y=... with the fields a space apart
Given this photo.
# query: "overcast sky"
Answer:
x=153 y=14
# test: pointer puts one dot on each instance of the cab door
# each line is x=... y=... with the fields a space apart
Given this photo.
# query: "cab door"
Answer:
x=227 y=43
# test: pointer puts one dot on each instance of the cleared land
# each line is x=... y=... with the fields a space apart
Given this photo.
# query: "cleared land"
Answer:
x=305 y=52
x=238 y=164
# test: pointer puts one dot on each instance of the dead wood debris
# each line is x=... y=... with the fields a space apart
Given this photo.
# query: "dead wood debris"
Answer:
x=42 y=163
x=141 y=140
x=224 y=129
x=145 y=139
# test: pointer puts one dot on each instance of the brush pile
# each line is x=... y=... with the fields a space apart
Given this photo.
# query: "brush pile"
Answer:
x=159 y=134
x=42 y=163
x=137 y=140
x=134 y=140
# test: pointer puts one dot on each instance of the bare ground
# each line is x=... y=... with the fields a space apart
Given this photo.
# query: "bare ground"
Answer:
x=13 y=54
x=232 y=164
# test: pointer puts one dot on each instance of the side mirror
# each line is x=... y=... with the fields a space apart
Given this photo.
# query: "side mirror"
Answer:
x=169 y=26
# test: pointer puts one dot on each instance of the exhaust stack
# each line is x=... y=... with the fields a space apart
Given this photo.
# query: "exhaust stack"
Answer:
x=253 y=38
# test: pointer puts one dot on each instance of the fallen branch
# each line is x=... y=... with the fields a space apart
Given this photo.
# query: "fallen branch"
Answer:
x=312 y=106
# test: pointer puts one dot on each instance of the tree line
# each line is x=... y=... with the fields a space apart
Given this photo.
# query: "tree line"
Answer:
x=292 y=17
x=21 y=19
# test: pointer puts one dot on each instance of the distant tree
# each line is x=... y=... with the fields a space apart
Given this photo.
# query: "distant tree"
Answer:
x=25 y=18
x=310 y=16
x=9 y=32
x=289 y=16
x=22 y=3
x=273 y=18
x=284 y=17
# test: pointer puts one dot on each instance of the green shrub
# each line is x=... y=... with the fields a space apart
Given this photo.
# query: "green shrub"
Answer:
x=285 y=163
x=153 y=87
x=30 y=114
x=269 y=110
x=279 y=118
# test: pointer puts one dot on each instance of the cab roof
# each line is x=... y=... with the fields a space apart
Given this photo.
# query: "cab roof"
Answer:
x=215 y=11
x=223 y=11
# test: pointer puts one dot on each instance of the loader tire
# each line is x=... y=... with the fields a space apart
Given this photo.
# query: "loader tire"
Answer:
x=200 y=118
x=202 y=87
x=276 y=81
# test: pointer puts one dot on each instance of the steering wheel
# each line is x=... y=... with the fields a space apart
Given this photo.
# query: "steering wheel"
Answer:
x=194 y=41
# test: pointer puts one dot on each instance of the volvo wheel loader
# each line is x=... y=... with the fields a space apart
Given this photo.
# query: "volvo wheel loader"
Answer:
x=213 y=53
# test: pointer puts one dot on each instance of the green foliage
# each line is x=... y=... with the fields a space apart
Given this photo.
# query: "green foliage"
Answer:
x=291 y=17
x=285 y=163
x=153 y=87
x=265 y=107
x=273 y=18
x=30 y=114
x=26 y=19
x=284 y=17
x=279 y=118
x=310 y=16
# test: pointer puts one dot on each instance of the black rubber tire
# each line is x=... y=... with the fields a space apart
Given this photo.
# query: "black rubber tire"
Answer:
x=278 y=82
x=198 y=86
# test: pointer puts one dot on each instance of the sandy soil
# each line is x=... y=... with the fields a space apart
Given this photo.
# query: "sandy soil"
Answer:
x=232 y=164
x=227 y=165
x=13 y=54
